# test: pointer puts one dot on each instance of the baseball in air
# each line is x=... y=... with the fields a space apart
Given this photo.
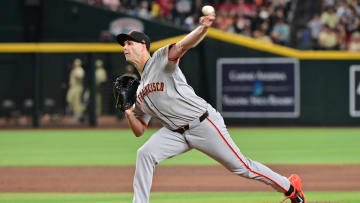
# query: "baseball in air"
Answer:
x=207 y=10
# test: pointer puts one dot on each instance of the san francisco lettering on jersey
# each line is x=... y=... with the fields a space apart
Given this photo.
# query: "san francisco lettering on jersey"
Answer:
x=150 y=88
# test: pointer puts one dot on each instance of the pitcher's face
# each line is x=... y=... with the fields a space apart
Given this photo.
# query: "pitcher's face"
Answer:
x=133 y=50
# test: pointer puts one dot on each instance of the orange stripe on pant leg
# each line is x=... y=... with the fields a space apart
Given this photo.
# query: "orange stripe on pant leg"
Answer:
x=242 y=160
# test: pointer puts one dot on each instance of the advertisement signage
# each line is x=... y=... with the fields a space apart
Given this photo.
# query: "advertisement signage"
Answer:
x=355 y=91
x=258 y=87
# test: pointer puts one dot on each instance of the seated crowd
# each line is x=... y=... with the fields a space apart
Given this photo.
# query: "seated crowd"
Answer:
x=336 y=27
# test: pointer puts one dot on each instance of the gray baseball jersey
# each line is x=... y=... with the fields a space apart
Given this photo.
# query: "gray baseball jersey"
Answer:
x=164 y=93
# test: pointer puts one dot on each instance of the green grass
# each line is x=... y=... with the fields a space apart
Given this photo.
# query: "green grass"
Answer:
x=224 y=197
x=118 y=147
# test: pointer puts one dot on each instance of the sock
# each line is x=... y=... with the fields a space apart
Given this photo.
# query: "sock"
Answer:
x=290 y=191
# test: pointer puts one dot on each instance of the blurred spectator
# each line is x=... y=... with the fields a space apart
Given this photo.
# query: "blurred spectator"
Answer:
x=357 y=27
x=28 y=107
x=329 y=17
x=356 y=5
x=281 y=33
x=112 y=4
x=341 y=8
x=277 y=15
x=263 y=13
x=166 y=6
x=182 y=10
x=328 y=3
x=143 y=10
x=264 y=27
x=248 y=8
x=131 y=71
x=191 y=21
x=315 y=26
x=246 y=31
x=49 y=111
x=279 y=3
x=285 y=6
x=132 y=10
x=223 y=20
x=227 y=7
x=354 y=45
x=260 y=35
x=327 y=38
x=353 y=19
x=155 y=9
x=9 y=110
x=304 y=38
x=197 y=5
x=100 y=77
x=341 y=37
x=74 y=94
x=239 y=23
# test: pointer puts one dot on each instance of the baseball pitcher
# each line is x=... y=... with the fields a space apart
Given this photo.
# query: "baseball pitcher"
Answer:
x=189 y=122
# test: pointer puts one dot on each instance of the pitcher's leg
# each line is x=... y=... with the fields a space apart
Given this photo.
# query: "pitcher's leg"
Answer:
x=212 y=138
x=162 y=145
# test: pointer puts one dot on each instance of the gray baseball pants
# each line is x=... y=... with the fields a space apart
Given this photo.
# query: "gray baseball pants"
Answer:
x=210 y=137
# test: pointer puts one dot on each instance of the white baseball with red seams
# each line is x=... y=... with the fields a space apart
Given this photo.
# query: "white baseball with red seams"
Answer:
x=163 y=93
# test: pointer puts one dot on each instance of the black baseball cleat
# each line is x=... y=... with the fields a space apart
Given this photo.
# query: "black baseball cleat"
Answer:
x=297 y=196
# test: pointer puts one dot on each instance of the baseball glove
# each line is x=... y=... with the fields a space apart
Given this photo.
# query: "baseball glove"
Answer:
x=124 y=90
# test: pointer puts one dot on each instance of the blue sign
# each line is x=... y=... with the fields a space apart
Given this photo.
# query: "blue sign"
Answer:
x=258 y=87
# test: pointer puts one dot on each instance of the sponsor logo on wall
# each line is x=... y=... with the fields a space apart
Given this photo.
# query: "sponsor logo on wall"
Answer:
x=355 y=91
x=125 y=25
x=258 y=87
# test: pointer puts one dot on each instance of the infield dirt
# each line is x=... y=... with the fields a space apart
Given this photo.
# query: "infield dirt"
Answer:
x=170 y=178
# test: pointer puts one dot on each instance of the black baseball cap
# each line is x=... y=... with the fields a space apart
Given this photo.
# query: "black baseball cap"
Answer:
x=133 y=36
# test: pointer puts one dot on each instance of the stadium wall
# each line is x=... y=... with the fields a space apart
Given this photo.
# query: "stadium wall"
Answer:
x=324 y=77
